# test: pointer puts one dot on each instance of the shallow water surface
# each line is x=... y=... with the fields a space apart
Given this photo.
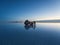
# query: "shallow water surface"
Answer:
x=41 y=34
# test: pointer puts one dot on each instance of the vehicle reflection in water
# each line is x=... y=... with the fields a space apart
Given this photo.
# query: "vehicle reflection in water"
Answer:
x=27 y=27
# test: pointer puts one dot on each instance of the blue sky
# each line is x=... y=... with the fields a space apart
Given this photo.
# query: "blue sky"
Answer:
x=29 y=9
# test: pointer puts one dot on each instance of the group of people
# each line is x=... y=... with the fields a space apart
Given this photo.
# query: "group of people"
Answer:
x=29 y=24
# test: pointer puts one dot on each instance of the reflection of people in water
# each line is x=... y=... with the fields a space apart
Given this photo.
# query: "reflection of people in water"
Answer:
x=27 y=27
x=29 y=24
x=34 y=26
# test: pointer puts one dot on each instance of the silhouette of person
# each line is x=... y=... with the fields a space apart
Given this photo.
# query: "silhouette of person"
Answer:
x=29 y=24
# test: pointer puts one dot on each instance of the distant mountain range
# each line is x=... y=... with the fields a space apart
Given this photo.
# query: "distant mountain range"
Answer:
x=11 y=21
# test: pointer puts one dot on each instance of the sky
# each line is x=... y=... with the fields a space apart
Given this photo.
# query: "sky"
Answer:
x=29 y=9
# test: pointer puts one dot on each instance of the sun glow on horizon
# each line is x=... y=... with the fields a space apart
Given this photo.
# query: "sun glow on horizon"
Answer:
x=49 y=18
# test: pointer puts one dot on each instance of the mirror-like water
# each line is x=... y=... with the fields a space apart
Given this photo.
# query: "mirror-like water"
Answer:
x=40 y=34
